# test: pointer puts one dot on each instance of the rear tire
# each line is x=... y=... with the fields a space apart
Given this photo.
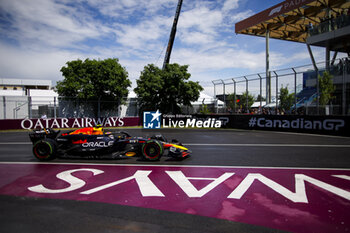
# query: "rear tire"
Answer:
x=152 y=150
x=45 y=149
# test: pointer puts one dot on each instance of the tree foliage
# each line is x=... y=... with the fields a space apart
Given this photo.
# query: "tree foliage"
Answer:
x=204 y=109
x=232 y=99
x=286 y=100
x=94 y=79
x=243 y=101
x=326 y=88
x=167 y=89
x=260 y=98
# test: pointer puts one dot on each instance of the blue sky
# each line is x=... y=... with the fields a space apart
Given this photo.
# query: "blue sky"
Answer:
x=37 y=37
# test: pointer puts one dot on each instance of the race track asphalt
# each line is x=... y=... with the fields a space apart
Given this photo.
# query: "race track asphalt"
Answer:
x=210 y=148
x=220 y=148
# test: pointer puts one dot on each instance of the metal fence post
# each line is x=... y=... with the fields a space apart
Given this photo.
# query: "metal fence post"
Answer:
x=224 y=96
x=276 y=92
x=214 y=89
x=54 y=107
x=318 y=94
x=15 y=111
x=4 y=105
x=235 y=100
x=246 y=87
x=269 y=89
x=344 y=87
x=260 y=90
x=295 y=91
x=216 y=100
x=30 y=107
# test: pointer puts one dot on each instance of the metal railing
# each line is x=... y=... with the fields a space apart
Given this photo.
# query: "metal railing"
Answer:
x=19 y=107
x=297 y=80
x=68 y=107
x=329 y=25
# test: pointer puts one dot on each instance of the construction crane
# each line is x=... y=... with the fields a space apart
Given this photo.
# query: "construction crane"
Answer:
x=172 y=35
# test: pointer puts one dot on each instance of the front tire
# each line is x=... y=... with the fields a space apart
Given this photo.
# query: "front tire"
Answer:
x=45 y=150
x=152 y=150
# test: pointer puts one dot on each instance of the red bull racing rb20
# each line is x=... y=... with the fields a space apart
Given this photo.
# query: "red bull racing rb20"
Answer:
x=94 y=142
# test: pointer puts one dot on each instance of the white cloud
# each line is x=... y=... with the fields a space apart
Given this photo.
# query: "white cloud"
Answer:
x=230 y=5
x=197 y=38
x=202 y=19
x=50 y=33
x=219 y=58
x=48 y=23
x=20 y=63
x=46 y=64
x=130 y=8
x=239 y=16
x=140 y=36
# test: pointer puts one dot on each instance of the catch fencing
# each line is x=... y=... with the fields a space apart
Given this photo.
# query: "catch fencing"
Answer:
x=20 y=107
x=302 y=81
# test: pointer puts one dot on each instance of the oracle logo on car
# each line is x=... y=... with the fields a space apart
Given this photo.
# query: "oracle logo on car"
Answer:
x=98 y=144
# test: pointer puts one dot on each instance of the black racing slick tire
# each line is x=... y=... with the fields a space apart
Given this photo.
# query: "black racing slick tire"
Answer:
x=45 y=150
x=152 y=150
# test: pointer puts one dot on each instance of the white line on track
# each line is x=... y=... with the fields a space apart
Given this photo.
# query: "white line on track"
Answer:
x=227 y=145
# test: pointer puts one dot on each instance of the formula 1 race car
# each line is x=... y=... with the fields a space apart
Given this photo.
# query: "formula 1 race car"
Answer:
x=96 y=143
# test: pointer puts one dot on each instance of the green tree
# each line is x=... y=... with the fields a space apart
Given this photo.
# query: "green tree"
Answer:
x=204 y=109
x=232 y=99
x=260 y=98
x=286 y=99
x=94 y=80
x=326 y=88
x=166 y=89
x=243 y=101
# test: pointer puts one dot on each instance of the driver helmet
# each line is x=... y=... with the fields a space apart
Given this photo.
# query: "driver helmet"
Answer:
x=98 y=129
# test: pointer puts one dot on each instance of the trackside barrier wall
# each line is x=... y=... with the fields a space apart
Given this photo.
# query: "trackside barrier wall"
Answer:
x=327 y=125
